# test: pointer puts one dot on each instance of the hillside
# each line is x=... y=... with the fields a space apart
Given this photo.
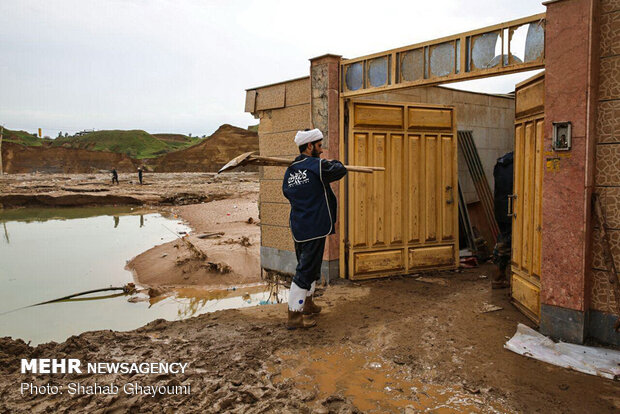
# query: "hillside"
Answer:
x=21 y=137
x=23 y=152
x=134 y=143
x=211 y=154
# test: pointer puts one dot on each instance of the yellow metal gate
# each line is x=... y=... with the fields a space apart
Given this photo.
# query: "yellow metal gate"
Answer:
x=404 y=219
x=527 y=198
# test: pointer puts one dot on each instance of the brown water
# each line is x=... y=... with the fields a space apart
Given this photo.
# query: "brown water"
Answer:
x=51 y=253
x=372 y=383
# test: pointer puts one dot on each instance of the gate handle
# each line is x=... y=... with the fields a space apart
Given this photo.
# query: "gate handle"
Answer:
x=511 y=212
x=451 y=200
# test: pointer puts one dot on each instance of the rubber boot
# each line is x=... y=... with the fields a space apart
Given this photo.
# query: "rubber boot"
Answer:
x=311 y=308
x=296 y=320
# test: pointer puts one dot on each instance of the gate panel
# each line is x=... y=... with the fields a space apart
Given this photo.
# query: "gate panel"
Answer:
x=396 y=168
x=537 y=228
x=527 y=197
x=379 y=186
x=360 y=221
x=403 y=219
x=517 y=202
x=415 y=184
x=526 y=190
x=448 y=185
x=430 y=172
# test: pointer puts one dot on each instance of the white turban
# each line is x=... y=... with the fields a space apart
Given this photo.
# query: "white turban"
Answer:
x=304 y=137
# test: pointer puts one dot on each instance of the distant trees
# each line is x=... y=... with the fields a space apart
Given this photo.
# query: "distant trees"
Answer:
x=59 y=134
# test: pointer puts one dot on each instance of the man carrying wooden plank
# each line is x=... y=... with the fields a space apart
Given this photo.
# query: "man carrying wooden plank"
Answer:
x=313 y=218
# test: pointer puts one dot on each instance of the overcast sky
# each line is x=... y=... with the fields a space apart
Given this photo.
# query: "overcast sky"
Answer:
x=183 y=65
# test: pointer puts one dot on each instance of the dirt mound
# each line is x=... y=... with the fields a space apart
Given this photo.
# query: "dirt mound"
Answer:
x=211 y=154
x=24 y=159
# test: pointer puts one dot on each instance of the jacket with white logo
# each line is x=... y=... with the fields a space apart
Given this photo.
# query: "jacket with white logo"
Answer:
x=313 y=203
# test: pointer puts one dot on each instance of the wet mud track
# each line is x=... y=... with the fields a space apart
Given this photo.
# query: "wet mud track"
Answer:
x=393 y=345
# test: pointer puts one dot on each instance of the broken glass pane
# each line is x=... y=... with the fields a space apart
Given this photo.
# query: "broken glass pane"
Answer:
x=534 y=42
x=483 y=50
x=442 y=59
x=517 y=42
x=412 y=65
x=354 y=77
x=378 y=71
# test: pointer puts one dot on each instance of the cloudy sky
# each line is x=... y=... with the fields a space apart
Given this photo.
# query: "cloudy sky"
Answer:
x=183 y=65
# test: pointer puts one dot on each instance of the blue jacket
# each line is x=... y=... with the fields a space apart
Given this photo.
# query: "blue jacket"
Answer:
x=313 y=203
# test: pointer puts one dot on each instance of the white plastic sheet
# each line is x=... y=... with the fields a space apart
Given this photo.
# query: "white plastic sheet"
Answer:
x=594 y=361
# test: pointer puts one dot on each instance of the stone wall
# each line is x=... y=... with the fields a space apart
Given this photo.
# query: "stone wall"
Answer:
x=283 y=109
x=607 y=178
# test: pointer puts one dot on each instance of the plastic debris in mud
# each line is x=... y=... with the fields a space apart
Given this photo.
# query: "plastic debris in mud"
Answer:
x=587 y=359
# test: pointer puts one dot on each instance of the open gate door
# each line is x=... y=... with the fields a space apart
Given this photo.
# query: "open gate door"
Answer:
x=527 y=198
x=406 y=218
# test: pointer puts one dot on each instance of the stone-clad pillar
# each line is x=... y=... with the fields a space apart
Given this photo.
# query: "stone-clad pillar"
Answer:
x=324 y=84
x=571 y=84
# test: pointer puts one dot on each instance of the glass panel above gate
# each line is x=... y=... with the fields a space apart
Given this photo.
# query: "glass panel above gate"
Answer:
x=378 y=71
x=504 y=48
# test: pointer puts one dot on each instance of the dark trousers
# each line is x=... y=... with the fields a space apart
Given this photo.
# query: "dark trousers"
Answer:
x=309 y=258
x=503 y=250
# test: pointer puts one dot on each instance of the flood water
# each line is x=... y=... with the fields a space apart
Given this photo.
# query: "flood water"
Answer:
x=50 y=253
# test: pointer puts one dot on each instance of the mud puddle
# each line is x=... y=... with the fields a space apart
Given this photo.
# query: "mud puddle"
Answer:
x=372 y=383
x=51 y=253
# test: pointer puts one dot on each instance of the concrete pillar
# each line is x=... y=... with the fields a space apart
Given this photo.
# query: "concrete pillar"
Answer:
x=324 y=84
x=571 y=85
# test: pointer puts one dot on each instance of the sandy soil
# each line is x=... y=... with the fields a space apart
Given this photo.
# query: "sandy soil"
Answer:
x=403 y=344
x=230 y=244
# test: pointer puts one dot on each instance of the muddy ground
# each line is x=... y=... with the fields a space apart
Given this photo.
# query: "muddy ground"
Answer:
x=69 y=190
x=389 y=345
x=222 y=250
x=403 y=344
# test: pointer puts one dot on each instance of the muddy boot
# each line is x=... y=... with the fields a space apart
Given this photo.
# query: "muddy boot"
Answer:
x=296 y=320
x=297 y=298
x=311 y=308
